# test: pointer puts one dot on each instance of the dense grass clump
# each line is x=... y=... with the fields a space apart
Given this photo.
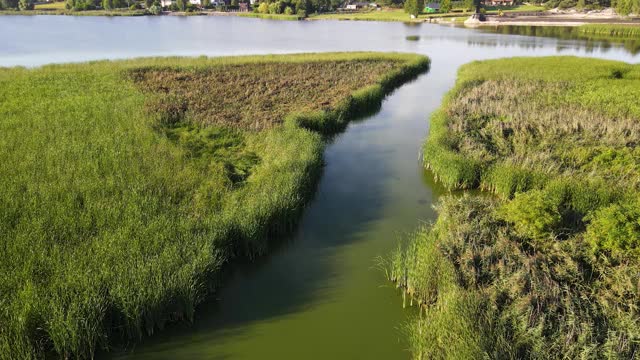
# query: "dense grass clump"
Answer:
x=549 y=267
x=630 y=31
x=486 y=291
x=520 y=122
x=122 y=197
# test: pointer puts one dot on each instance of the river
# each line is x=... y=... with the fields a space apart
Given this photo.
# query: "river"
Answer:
x=318 y=295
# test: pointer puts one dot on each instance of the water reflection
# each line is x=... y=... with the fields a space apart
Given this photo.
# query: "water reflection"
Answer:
x=591 y=43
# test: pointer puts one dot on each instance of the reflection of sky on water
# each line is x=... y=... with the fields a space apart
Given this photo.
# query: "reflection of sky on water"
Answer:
x=37 y=40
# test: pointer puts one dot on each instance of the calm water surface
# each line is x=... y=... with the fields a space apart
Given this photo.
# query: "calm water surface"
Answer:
x=318 y=295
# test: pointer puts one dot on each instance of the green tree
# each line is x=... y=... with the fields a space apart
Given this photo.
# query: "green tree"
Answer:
x=413 y=7
x=274 y=8
x=155 y=9
x=445 y=6
x=288 y=10
x=181 y=4
x=25 y=5
x=580 y=5
x=107 y=4
x=468 y=5
x=263 y=8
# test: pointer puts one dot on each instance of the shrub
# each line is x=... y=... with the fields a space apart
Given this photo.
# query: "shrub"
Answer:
x=534 y=214
x=155 y=10
x=275 y=7
x=26 y=5
x=413 y=7
x=615 y=229
x=566 y=4
x=9 y=4
x=445 y=6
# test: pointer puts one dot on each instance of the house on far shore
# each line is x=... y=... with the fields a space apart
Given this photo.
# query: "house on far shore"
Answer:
x=243 y=7
x=356 y=6
x=500 y=2
x=432 y=8
x=167 y=3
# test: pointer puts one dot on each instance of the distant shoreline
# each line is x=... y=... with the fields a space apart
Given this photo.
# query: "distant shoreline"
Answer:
x=557 y=20
x=546 y=18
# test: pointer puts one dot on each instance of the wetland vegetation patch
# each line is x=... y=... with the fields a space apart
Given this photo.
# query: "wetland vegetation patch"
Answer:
x=547 y=268
x=123 y=193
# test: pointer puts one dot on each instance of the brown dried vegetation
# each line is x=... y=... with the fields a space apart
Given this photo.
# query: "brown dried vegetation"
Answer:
x=257 y=96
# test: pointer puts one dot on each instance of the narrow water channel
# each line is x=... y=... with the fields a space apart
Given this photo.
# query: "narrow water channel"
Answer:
x=318 y=295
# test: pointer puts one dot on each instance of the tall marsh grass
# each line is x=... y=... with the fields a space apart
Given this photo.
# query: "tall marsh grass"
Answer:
x=629 y=31
x=549 y=267
x=118 y=210
x=484 y=291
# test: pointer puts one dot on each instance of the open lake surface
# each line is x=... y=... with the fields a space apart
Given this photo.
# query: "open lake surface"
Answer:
x=318 y=294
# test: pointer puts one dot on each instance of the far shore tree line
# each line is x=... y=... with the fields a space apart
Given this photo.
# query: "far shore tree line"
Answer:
x=302 y=8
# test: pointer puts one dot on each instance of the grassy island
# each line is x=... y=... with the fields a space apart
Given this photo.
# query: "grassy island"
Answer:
x=548 y=266
x=126 y=185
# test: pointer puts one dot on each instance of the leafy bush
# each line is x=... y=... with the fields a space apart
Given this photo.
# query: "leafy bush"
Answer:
x=413 y=7
x=275 y=8
x=9 y=4
x=615 y=229
x=155 y=10
x=566 y=4
x=26 y=5
x=445 y=6
x=534 y=214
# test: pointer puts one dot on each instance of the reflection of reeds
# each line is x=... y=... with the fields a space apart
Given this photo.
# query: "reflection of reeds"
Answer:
x=119 y=206
x=596 y=35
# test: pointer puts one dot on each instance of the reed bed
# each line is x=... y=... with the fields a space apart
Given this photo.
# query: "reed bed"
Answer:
x=630 y=31
x=119 y=208
x=547 y=268
x=595 y=35
x=486 y=292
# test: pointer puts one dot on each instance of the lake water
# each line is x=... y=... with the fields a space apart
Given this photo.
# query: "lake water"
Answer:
x=318 y=295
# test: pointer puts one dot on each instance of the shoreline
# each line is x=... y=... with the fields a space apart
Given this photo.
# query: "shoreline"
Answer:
x=556 y=20
x=542 y=19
